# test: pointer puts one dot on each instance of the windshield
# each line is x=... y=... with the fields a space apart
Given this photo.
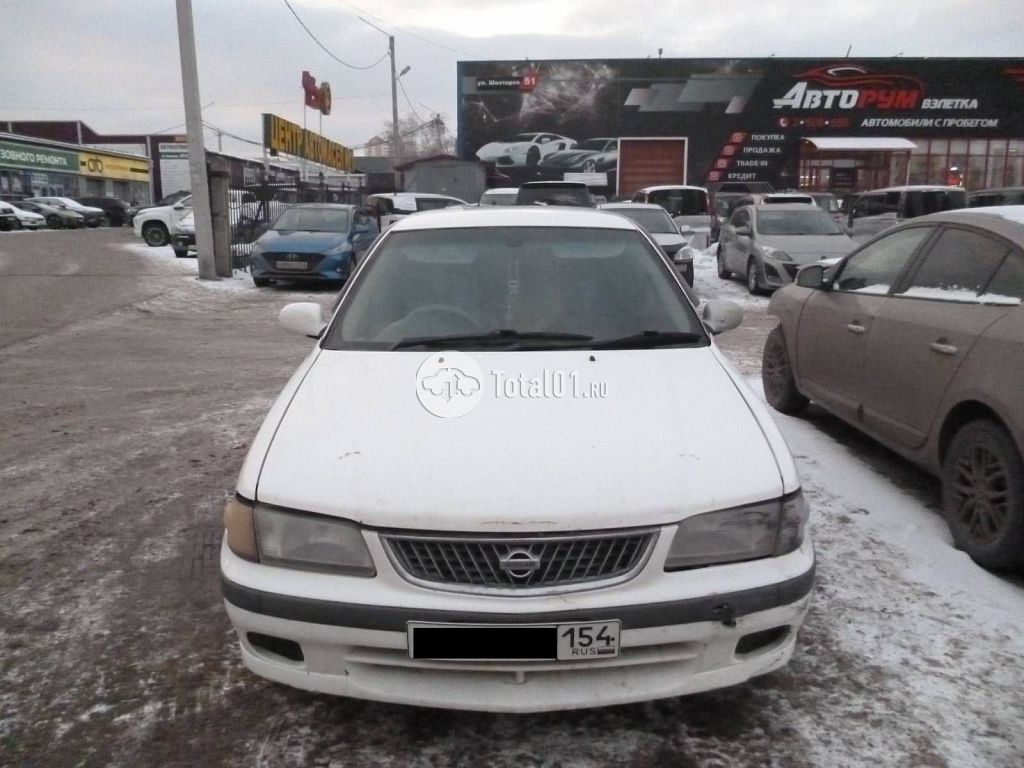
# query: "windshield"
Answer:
x=599 y=283
x=680 y=202
x=593 y=144
x=812 y=221
x=651 y=220
x=313 y=220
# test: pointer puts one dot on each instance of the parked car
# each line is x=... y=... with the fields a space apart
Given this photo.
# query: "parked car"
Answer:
x=155 y=225
x=688 y=206
x=831 y=205
x=917 y=339
x=656 y=222
x=389 y=207
x=25 y=219
x=166 y=200
x=183 y=239
x=1004 y=196
x=880 y=209
x=573 y=193
x=56 y=217
x=8 y=218
x=523 y=150
x=312 y=242
x=725 y=198
x=767 y=243
x=499 y=196
x=590 y=156
x=115 y=208
x=405 y=528
x=94 y=217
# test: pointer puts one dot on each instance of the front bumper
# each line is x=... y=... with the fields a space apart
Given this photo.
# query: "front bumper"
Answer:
x=679 y=633
x=183 y=241
x=320 y=268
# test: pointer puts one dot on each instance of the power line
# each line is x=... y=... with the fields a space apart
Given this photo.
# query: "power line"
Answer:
x=324 y=48
x=407 y=32
x=409 y=101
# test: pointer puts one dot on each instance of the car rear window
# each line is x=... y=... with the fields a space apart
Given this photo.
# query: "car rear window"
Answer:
x=552 y=194
x=680 y=202
x=812 y=221
x=921 y=202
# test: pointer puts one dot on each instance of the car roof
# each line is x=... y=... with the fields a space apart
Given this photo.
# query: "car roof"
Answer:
x=327 y=206
x=513 y=216
x=784 y=207
x=916 y=187
x=428 y=195
x=634 y=206
x=556 y=184
x=662 y=187
x=501 y=190
x=1005 y=220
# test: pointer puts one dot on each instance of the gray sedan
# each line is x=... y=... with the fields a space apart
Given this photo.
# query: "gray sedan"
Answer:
x=766 y=244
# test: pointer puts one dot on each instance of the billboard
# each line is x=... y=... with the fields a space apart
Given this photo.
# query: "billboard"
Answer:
x=280 y=135
x=744 y=120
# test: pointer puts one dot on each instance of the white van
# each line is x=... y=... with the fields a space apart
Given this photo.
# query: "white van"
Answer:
x=880 y=209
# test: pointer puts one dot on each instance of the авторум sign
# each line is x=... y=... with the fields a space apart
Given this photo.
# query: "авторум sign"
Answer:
x=280 y=135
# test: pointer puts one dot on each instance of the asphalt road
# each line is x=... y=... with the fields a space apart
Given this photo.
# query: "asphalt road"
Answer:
x=129 y=393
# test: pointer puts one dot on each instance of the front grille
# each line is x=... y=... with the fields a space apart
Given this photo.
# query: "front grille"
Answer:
x=287 y=262
x=519 y=563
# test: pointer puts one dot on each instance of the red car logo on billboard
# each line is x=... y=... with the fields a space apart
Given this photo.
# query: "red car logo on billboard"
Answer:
x=848 y=86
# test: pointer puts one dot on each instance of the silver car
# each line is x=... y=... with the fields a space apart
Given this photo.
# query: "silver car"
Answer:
x=766 y=244
x=663 y=230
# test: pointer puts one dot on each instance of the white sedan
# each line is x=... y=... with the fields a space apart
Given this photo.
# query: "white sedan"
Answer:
x=504 y=479
x=26 y=219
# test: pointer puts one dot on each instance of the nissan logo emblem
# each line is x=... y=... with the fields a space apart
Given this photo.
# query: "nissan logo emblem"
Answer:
x=519 y=564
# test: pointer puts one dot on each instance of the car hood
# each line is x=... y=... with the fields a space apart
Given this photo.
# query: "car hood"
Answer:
x=497 y=149
x=674 y=436
x=279 y=241
x=668 y=240
x=807 y=248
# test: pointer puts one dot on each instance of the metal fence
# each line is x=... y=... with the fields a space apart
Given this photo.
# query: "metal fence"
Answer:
x=253 y=208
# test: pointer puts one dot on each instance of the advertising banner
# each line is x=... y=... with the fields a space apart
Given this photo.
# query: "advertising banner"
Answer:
x=282 y=136
x=744 y=120
x=28 y=156
x=104 y=166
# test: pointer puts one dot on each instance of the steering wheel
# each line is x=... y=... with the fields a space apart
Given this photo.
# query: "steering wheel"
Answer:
x=442 y=311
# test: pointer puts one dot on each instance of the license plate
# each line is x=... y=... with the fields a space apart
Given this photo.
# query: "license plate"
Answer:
x=514 y=642
x=293 y=265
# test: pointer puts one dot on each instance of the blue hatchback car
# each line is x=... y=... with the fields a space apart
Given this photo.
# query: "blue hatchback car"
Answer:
x=312 y=243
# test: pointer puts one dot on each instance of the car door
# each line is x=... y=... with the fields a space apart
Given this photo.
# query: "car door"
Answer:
x=832 y=333
x=923 y=333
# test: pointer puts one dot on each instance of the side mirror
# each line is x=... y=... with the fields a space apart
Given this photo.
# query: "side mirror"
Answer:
x=721 y=315
x=811 y=276
x=744 y=231
x=687 y=231
x=304 y=318
x=179 y=207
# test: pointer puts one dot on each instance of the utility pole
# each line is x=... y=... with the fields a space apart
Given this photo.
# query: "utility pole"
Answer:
x=196 y=145
x=396 y=150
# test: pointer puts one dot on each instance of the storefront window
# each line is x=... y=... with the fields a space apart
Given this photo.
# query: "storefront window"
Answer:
x=975 y=178
x=919 y=170
x=958 y=147
x=1014 y=171
x=996 y=169
x=979 y=147
x=997 y=147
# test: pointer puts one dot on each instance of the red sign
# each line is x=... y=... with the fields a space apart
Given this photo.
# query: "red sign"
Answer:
x=528 y=81
x=317 y=97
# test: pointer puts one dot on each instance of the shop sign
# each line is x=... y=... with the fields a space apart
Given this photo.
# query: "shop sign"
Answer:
x=27 y=156
x=170 y=150
x=283 y=136
x=318 y=98
x=104 y=166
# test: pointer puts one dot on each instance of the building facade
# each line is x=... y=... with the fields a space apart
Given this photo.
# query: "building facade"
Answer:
x=817 y=124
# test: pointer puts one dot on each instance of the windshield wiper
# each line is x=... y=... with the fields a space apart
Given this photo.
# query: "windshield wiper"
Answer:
x=498 y=337
x=647 y=339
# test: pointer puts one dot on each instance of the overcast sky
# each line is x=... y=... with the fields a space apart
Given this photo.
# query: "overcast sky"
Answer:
x=114 y=63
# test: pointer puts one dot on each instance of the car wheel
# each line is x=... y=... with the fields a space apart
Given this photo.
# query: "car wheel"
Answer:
x=777 y=376
x=589 y=166
x=104 y=221
x=723 y=273
x=53 y=221
x=752 y=286
x=261 y=282
x=155 y=234
x=983 y=495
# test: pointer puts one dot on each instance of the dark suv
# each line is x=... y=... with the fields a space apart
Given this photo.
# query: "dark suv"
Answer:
x=574 y=193
x=115 y=208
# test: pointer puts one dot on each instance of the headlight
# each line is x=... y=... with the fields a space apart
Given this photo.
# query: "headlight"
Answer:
x=768 y=529
x=339 y=250
x=775 y=253
x=296 y=539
